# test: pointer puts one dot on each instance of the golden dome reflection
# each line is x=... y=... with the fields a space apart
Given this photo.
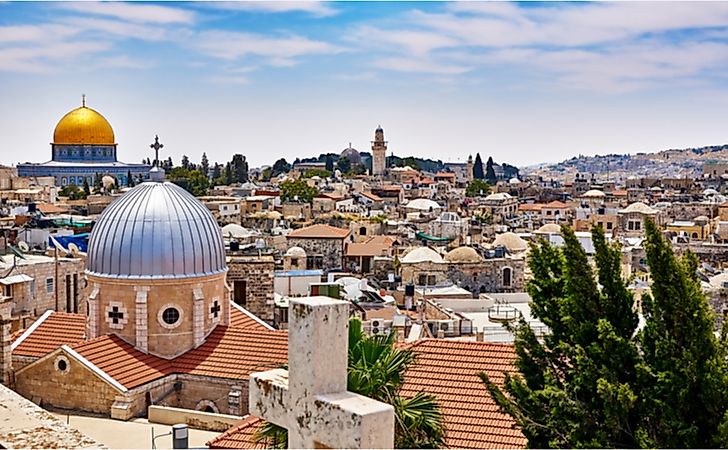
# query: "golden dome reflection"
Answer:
x=83 y=126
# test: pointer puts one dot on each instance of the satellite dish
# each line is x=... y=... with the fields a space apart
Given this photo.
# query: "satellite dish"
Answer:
x=23 y=246
x=73 y=249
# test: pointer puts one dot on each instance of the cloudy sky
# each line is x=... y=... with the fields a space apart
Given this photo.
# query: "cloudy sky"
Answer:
x=523 y=82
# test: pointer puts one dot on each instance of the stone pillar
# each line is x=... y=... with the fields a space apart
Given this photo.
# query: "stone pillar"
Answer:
x=92 y=330
x=141 y=318
x=5 y=352
x=198 y=316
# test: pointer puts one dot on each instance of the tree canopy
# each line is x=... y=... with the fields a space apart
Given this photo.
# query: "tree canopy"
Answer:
x=477 y=188
x=595 y=380
x=297 y=191
x=478 y=168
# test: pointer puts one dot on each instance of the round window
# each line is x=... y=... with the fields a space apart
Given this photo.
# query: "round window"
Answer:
x=170 y=316
x=62 y=365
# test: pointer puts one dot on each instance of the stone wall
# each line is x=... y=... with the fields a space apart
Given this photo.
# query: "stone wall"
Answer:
x=257 y=273
x=488 y=276
x=76 y=388
x=331 y=251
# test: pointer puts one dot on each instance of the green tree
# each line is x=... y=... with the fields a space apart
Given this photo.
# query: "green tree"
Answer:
x=185 y=162
x=478 y=168
x=73 y=192
x=477 y=188
x=229 y=176
x=576 y=386
x=240 y=168
x=193 y=181
x=310 y=173
x=490 y=172
x=98 y=184
x=344 y=165
x=86 y=188
x=279 y=167
x=129 y=179
x=205 y=165
x=329 y=163
x=683 y=376
x=376 y=369
x=297 y=191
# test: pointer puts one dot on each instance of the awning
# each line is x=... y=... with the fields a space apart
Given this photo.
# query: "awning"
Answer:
x=15 y=279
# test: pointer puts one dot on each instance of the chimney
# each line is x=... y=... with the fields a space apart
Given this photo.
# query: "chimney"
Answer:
x=5 y=355
x=480 y=336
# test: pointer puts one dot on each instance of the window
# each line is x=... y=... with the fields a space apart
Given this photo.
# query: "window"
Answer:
x=170 y=316
x=8 y=290
x=431 y=281
x=422 y=279
x=363 y=231
x=507 y=275
x=49 y=285
x=609 y=225
x=294 y=262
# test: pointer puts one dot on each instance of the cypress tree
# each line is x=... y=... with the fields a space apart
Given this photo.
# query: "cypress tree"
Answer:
x=478 y=168
x=490 y=171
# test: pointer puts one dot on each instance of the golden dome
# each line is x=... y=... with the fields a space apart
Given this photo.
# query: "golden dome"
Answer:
x=83 y=126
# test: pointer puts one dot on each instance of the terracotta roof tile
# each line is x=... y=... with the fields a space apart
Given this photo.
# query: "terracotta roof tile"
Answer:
x=319 y=231
x=449 y=370
x=122 y=362
x=54 y=331
x=244 y=319
x=240 y=436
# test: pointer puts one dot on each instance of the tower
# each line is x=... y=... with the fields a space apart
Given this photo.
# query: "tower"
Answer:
x=469 y=169
x=379 y=152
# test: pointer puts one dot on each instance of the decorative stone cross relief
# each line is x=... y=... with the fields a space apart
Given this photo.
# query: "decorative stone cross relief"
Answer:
x=310 y=399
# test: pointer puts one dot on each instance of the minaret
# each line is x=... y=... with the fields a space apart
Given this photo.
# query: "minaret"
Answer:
x=379 y=152
x=469 y=169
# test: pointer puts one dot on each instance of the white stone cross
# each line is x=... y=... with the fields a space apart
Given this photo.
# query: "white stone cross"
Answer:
x=310 y=399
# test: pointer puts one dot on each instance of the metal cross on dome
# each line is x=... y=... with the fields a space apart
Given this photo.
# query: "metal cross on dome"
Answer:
x=156 y=146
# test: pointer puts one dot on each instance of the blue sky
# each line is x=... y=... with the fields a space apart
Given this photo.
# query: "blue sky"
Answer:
x=523 y=82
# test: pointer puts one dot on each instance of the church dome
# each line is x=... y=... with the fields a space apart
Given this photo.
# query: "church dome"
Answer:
x=352 y=154
x=83 y=126
x=156 y=231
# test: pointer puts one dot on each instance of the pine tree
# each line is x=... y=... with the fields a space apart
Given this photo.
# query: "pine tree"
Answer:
x=685 y=389
x=228 y=174
x=490 y=176
x=129 y=179
x=240 y=168
x=86 y=187
x=205 y=165
x=329 y=163
x=478 y=168
x=575 y=387
x=185 y=162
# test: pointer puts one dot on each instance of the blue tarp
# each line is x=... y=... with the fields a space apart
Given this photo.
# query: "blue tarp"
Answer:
x=81 y=240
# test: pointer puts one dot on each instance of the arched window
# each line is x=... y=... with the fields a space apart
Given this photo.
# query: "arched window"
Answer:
x=507 y=275
x=363 y=231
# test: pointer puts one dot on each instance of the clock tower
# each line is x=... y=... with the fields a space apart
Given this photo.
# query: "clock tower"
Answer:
x=379 y=153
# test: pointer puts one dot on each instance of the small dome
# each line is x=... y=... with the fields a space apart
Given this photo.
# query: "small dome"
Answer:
x=159 y=231
x=594 y=193
x=423 y=204
x=463 y=255
x=352 y=154
x=296 y=252
x=549 y=228
x=639 y=207
x=513 y=242
x=498 y=196
x=421 y=254
x=83 y=126
x=514 y=180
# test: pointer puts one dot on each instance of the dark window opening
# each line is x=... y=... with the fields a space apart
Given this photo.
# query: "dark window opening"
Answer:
x=170 y=316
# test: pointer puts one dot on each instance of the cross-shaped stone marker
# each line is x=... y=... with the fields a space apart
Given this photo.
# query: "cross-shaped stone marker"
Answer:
x=156 y=146
x=310 y=399
x=215 y=309
x=115 y=315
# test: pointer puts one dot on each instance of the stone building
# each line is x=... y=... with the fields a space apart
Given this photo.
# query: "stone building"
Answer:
x=469 y=270
x=632 y=218
x=160 y=329
x=379 y=153
x=251 y=281
x=324 y=245
x=37 y=283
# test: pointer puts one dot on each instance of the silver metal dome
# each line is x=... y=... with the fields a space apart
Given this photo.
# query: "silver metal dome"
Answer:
x=156 y=230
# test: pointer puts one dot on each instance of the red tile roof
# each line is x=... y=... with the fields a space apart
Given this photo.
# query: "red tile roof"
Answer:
x=319 y=231
x=230 y=352
x=244 y=319
x=556 y=204
x=52 y=331
x=449 y=370
x=122 y=362
x=240 y=436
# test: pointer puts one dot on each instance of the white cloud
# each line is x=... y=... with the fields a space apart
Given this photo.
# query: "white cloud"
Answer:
x=47 y=58
x=315 y=8
x=133 y=12
x=231 y=45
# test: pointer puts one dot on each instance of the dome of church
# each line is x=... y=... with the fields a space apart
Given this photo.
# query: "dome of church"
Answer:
x=83 y=126
x=421 y=254
x=352 y=154
x=156 y=231
x=513 y=242
x=296 y=252
x=549 y=228
x=463 y=255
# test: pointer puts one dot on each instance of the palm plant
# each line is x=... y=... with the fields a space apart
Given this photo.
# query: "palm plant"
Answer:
x=376 y=370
